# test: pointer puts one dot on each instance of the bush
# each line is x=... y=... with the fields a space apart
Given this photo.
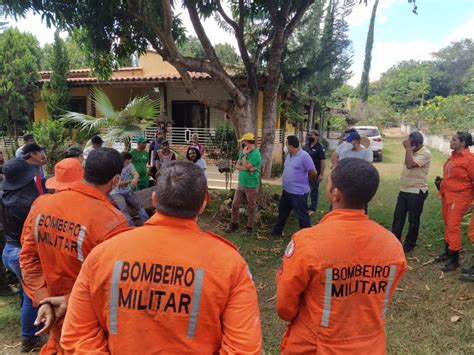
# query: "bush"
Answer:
x=51 y=135
x=277 y=170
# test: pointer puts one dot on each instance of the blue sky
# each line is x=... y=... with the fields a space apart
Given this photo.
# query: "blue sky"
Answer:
x=402 y=35
x=399 y=34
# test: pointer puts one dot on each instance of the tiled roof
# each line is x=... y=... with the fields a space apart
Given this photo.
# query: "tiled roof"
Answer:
x=79 y=76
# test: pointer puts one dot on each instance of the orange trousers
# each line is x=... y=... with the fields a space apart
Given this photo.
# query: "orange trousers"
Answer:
x=453 y=214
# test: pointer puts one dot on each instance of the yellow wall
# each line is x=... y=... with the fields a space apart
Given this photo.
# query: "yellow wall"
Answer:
x=152 y=64
x=40 y=111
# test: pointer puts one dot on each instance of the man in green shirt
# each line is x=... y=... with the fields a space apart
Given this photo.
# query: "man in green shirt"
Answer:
x=248 y=164
x=139 y=161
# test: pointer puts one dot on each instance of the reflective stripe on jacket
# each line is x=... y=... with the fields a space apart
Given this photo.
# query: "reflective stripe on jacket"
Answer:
x=166 y=287
x=335 y=283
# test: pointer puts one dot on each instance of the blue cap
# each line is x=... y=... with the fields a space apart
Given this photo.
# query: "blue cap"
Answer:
x=352 y=136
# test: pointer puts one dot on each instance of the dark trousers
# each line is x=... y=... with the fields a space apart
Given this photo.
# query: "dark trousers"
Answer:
x=314 y=195
x=297 y=203
x=411 y=204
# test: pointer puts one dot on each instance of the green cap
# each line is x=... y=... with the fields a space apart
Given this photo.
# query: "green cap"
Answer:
x=141 y=140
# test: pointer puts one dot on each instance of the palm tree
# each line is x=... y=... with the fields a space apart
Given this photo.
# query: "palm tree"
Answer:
x=124 y=124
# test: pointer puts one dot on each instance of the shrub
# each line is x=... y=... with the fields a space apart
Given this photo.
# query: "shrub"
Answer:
x=51 y=135
x=277 y=170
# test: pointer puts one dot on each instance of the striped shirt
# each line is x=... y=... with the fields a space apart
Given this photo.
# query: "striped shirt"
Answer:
x=416 y=179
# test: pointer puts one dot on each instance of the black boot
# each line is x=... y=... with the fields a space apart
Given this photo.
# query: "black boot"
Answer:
x=232 y=228
x=452 y=261
x=467 y=277
x=444 y=255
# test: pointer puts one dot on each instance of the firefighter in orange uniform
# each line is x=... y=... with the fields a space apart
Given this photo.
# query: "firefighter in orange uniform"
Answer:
x=457 y=195
x=59 y=233
x=166 y=287
x=337 y=277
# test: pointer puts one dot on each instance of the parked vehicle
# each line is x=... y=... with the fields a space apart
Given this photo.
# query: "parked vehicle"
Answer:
x=376 y=140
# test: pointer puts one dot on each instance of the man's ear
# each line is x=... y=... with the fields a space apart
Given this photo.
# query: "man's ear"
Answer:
x=204 y=204
x=336 y=195
x=154 y=199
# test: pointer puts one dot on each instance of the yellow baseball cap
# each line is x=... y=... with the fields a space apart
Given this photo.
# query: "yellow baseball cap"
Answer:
x=247 y=137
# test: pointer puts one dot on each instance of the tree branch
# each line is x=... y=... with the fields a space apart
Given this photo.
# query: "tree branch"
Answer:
x=239 y=35
x=218 y=71
x=297 y=18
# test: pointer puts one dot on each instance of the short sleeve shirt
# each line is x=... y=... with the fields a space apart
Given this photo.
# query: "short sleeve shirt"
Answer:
x=416 y=179
x=126 y=174
x=295 y=174
x=363 y=153
x=140 y=160
x=251 y=179
x=317 y=153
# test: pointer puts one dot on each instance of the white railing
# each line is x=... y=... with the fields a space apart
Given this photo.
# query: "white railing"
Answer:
x=183 y=135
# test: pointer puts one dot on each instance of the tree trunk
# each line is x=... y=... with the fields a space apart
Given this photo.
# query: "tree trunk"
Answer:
x=268 y=129
x=311 y=116
x=242 y=118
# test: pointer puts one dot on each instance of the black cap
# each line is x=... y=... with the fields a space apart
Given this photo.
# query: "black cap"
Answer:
x=18 y=173
x=31 y=148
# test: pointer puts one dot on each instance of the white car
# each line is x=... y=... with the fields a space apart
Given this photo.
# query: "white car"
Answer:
x=376 y=140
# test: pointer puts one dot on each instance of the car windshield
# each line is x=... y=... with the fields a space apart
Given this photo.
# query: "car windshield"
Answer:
x=368 y=132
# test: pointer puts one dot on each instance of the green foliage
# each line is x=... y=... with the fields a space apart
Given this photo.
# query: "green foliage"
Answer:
x=51 y=135
x=225 y=52
x=223 y=144
x=77 y=57
x=364 y=81
x=56 y=92
x=19 y=59
x=277 y=170
x=451 y=65
x=405 y=85
x=338 y=122
x=456 y=112
x=124 y=124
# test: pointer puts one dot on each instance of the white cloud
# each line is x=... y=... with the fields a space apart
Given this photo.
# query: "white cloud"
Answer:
x=466 y=30
x=387 y=54
x=32 y=23
x=361 y=13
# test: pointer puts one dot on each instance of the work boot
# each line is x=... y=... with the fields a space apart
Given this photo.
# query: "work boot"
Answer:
x=467 y=277
x=408 y=248
x=467 y=270
x=32 y=344
x=452 y=261
x=248 y=230
x=9 y=291
x=232 y=228
x=444 y=255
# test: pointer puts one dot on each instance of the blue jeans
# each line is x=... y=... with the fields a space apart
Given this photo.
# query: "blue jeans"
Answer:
x=314 y=195
x=122 y=200
x=11 y=260
x=297 y=203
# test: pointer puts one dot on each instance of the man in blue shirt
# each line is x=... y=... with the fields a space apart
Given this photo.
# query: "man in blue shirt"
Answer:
x=299 y=169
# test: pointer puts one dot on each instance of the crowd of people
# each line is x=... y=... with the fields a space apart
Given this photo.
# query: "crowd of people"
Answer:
x=96 y=283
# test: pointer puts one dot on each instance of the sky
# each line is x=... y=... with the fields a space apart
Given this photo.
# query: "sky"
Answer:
x=399 y=34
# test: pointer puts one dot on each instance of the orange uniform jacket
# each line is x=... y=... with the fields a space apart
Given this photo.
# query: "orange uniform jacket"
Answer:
x=60 y=231
x=165 y=287
x=335 y=284
x=458 y=178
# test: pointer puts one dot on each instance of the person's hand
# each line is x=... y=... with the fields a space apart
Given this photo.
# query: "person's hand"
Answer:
x=45 y=316
x=58 y=303
x=320 y=178
x=246 y=150
x=134 y=182
x=406 y=143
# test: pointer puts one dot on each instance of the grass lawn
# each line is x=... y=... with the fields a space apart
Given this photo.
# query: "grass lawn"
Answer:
x=419 y=318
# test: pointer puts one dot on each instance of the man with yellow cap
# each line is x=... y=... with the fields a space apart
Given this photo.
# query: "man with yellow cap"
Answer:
x=248 y=164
